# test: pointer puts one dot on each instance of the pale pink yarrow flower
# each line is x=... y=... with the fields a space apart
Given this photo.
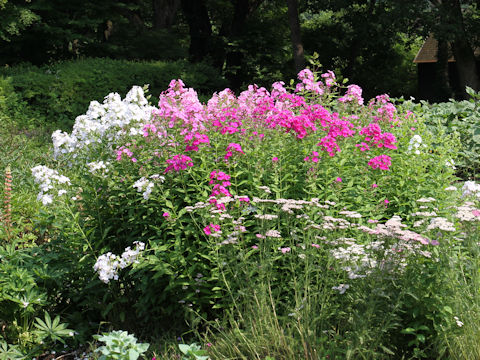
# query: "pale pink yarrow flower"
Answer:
x=255 y=247
x=285 y=250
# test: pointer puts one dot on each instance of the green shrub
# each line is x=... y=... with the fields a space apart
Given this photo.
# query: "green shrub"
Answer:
x=56 y=94
x=461 y=118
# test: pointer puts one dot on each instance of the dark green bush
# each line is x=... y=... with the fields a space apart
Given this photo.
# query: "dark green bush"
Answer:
x=56 y=94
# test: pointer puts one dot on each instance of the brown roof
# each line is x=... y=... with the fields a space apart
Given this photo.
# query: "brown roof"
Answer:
x=428 y=52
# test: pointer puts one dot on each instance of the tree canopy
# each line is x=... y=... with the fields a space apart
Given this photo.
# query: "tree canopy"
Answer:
x=371 y=42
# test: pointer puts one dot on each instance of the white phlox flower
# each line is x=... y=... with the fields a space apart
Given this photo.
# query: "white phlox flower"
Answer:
x=49 y=179
x=98 y=167
x=415 y=143
x=103 y=124
x=470 y=188
x=144 y=185
x=107 y=265
x=341 y=288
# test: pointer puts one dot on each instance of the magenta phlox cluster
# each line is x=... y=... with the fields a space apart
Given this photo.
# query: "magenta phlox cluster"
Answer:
x=212 y=229
x=178 y=162
x=374 y=136
x=329 y=144
x=231 y=148
x=382 y=162
x=220 y=182
x=314 y=157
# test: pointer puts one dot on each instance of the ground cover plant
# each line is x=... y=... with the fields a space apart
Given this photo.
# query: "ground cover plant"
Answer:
x=300 y=222
x=461 y=117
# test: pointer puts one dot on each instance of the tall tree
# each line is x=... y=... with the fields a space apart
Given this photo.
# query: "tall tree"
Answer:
x=164 y=13
x=462 y=50
x=295 y=35
x=200 y=28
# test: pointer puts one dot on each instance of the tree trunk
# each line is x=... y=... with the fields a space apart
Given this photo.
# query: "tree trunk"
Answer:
x=295 y=35
x=443 y=90
x=234 y=58
x=164 y=13
x=465 y=60
x=196 y=14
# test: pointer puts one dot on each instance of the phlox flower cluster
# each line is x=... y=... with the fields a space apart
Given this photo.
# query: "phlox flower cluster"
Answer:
x=144 y=186
x=470 y=188
x=415 y=143
x=108 y=265
x=375 y=137
x=49 y=181
x=353 y=94
x=212 y=229
x=234 y=147
x=384 y=110
x=123 y=150
x=178 y=162
x=220 y=182
x=104 y=123
x=382 y=162
x=98 y=167
x=308 y=82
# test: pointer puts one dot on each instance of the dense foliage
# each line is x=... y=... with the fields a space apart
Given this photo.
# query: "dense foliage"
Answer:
x=55 y=94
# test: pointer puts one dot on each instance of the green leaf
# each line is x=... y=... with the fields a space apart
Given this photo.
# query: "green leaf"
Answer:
x=184 y=348
x=133 y=354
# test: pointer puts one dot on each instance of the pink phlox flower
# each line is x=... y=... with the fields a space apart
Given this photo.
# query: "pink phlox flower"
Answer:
x=374 y=186
x=178 y=162
x=209 y=229
x=329 y=77
x=363 y=146
x=338 y=179
x=372 y=132
x=124 y=150
x=308 y=82
x=149 y=128
x=278 y=88
x=341 y=128
x=329 y=145
x=382 y=162
x=233 y=146
x=314 y=157
x=218 y=175
x=275 y=159
x=387 y=140
x=353 y=94
x=166 y=215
